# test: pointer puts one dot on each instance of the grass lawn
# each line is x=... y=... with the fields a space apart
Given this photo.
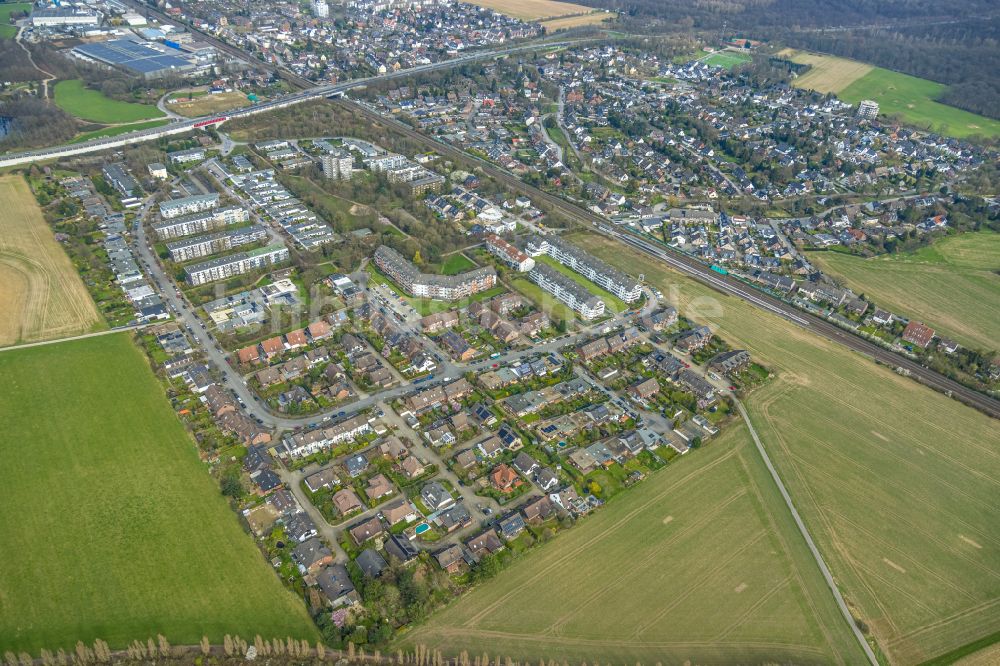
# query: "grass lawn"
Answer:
x=727 y=59
x=913 y=100
x=77 y=100
x=896 y=483
x=612 y=302
x=455 y=264
x=543 y=300
x=951 y=285
x=115 y=130
x=700 y=563
x=826 y=73
x=112 y=528
x=8 y=31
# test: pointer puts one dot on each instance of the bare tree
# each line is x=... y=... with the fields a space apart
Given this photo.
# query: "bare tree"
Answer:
x=227 y=645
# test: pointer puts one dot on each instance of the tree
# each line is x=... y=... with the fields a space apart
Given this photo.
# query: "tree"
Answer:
x=206 y=647
x=417 y=259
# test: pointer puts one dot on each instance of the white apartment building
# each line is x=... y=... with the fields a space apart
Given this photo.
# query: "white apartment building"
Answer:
x=235 y=264
x=176 y=207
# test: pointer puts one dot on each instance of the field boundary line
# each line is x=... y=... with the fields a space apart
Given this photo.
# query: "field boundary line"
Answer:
x=872 y=659
x=97 y=334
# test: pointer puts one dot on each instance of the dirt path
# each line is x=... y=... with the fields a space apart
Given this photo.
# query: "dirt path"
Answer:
x=49 y=76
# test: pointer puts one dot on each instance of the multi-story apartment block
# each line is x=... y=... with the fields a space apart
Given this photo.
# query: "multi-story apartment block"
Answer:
x=197 y=223
x=587 y=265
x=508 y=253
x=868 y=109
x=338 y=166
x=176 y=207
x=386 y=162
x=443 y=287
x=204 y=246
x=184 y=156
x=567 y=290
x=235 y=264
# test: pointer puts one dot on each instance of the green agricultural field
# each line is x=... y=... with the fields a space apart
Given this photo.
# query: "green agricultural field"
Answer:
x=727 y=59
x=913 y=100
x=77 y=100
x=897 y=483
x=115 y=130
x=455 y=264
x=700 y=563
x=111 y=526
x=611 y=302
x=951 y=285
x=8 y=31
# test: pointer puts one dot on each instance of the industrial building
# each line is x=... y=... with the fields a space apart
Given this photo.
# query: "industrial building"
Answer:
x=149 y=60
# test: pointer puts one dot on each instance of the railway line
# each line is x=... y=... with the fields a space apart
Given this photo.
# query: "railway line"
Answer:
x=702 y=273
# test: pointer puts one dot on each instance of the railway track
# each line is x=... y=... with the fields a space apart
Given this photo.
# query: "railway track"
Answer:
x=701 y=272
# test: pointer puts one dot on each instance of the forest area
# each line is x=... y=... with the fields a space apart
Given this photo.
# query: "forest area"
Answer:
x=956 y=43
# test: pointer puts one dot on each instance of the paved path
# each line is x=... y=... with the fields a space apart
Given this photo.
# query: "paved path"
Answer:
x=805 y=535
x=98 y=334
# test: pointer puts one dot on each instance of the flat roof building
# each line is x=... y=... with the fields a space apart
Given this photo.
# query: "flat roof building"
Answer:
x=235 y=264
x=443 y=287
x=567 y=290
x=176 y=207
x=621 y=285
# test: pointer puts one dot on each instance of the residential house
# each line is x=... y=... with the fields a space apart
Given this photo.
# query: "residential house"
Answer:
x=484 y=544
x=504 y=478
x=346 y=502
x=366 y=529
x=435 y=496
x=371 y=563
x=336 y=585
x=450 y=559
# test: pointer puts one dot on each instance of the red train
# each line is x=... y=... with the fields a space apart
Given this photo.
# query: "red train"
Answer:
x=212 y=121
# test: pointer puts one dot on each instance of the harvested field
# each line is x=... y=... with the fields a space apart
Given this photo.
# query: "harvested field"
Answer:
x=567 y=22
x=828 y=74
x=532 y=10
x=42 y=295
x=203 y=105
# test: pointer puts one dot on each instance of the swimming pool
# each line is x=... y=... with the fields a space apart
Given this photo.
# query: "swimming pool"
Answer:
x=421 y=528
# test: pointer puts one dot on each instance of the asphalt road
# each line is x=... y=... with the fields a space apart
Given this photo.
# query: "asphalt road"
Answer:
x=702 y=273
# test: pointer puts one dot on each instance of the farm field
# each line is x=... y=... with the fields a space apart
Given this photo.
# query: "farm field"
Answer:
x=203 y=105
x=77 y=100
x=727 y=59
x=41 y=295
x=567 y=22
x=909 y=97
x=896 y=483
x=8 y=31
x=951 y=285
x=611 y=302
x=828 y=74
x=112 y=527
x=532 y=10
x=698 y=564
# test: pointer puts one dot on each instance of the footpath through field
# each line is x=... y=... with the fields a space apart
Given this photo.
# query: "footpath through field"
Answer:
x=75 y=337
x=805 y=535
